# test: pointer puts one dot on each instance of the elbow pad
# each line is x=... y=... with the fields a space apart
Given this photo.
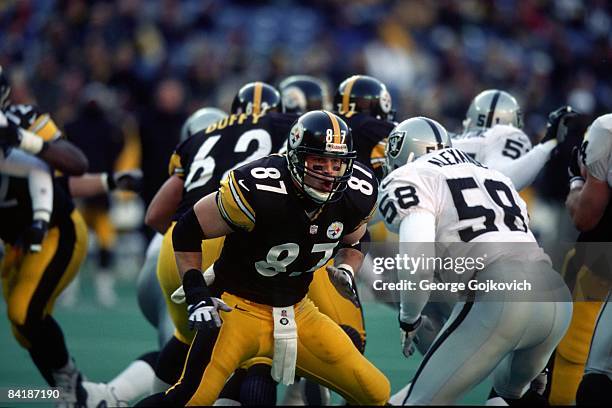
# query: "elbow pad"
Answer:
x=187 y=235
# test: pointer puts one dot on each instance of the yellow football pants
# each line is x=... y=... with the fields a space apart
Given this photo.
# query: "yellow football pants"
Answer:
x=325 y=296
x=573 y=350
x=325 y=353
x=31 y=282
x=169 y=280
x=98 y=219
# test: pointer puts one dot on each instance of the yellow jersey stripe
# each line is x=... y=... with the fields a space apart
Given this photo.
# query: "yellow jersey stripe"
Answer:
x=347 y=93
x=335 y=127
x=239 y=198
x=44 y=127
x=233 y=207
x=175 y=166
x=257 y=98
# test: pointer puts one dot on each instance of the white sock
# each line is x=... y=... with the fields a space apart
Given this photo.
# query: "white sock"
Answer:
x=133 y=382
x=159 y=385
x=496 y=402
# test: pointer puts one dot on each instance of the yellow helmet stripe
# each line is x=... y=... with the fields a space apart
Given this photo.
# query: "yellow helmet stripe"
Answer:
x=347 y=93
x=335 y=127
x=257 y=98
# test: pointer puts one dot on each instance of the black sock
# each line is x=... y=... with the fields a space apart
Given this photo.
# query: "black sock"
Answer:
x=47 y=346
x=594 y=389
x=170 y=361
x=258 y=387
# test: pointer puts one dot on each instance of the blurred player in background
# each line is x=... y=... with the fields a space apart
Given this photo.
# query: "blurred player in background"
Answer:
x=95 y=132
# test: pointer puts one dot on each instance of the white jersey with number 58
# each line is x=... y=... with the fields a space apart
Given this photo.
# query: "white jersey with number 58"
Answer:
x=471 y=203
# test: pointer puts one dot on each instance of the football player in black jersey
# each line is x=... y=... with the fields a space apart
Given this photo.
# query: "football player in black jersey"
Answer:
x=303 y=93
x=196 y=169
x=365 y=104
x=283 y=218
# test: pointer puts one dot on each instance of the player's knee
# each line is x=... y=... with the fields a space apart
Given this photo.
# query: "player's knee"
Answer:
x=374 y=386
x=594 y=389
x=355 y=337
x=17 y=313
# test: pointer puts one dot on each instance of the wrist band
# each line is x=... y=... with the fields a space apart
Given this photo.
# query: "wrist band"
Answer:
x=576 y=182
x=347 y=267
x=108 y=181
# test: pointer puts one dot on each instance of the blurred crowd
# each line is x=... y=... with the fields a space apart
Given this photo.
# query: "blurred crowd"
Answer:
x=163 y=59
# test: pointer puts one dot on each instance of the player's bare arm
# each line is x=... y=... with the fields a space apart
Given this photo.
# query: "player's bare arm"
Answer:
x=164 y=204
x=65 y=157
x=587 y=203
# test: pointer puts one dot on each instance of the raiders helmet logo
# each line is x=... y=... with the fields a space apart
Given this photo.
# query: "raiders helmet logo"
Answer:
x=394 y=144
x=296 y=135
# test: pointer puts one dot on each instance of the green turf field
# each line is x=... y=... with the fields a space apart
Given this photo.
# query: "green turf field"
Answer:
x=103 y=341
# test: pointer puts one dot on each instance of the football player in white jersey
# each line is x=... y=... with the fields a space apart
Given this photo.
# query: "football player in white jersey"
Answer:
x=591 y=209
x=493 y=136
x=446 y=196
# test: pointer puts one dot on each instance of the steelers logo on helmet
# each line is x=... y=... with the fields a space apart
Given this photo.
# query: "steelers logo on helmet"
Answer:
x=294 y=99
x=385 y=100
x=335 y=230
x=320 y=156
x=296 y=135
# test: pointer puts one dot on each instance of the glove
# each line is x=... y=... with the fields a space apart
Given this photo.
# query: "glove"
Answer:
x=35 y=235
x=129 y=180
x=205 y=314
x=344 y=282
x=573 y=167
x=409 y=333
x=201 y=306
x=556 y=127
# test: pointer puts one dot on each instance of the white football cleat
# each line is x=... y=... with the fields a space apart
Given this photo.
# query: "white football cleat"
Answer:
x=69 y=380
x=399 y=397
x=102 y=395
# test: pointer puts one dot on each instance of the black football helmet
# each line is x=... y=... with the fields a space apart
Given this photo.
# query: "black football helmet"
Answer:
x=365 y=94
x=5 y=88
x=303 y=93
x=323 y=134
x=256 y=98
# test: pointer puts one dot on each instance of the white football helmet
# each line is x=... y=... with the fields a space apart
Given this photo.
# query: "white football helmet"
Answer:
x=492 y=107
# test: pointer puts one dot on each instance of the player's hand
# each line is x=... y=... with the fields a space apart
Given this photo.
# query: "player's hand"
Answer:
x=409 y=333
x=573 y=167
x=203 y=309
x=205 y=314
x=344 y=282
x=129 y=180
x=556 y=127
